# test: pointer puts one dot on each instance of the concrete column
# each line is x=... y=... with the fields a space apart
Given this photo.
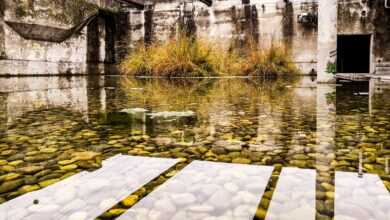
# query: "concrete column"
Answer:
x=148 y=25
x=327 y=39
x=2 y=49
x=187 y=19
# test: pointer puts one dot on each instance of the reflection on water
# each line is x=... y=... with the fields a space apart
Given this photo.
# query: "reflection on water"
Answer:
x=47 y=122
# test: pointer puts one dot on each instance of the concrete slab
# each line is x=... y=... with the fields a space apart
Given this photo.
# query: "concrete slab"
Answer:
x=294 y=196
x=206 y=190
x=360 y=198
x=87 y=195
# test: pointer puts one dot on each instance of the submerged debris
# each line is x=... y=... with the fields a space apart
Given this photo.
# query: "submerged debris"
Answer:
x=167 y=114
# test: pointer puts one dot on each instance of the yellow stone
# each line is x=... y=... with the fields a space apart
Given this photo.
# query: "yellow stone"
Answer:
x=69 y=167
x=115 y=212
x=16 y=162
x=66 y=162
x=86 y=155
x=48 y=182
x=10 y=176
x=260 y=213
x=330 y=195
x=130 y=201
x=241 y=160
x=28 y=188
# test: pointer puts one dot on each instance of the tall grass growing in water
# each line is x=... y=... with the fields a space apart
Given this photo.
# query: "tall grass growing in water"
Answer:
x=190 y=57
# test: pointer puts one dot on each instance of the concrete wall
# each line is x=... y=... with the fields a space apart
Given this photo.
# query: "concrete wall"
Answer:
x=371 y=17
x=37 y=56
x=227 y=21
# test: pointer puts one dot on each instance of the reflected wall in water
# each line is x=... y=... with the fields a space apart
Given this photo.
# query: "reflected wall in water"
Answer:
x=253 y=121
x=29 y=94
x=325 y=148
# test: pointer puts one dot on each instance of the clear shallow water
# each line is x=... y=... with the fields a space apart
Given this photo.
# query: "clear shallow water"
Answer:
x=52 y=128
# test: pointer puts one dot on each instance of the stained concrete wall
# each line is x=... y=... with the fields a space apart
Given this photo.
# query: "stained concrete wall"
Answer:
x=370 y=17
x=30 y=56
x=228 y=21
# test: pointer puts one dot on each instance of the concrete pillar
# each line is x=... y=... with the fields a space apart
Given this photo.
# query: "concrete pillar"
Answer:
x=2 y=34
x=148 y=25
x=124 y=35
x=327 y=39
x=187 y=19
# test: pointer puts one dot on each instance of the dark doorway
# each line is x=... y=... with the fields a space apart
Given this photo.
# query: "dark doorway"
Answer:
x=353 y=53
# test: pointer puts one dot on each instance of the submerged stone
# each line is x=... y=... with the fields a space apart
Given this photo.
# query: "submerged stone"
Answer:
x=48 y=182
x=28 y=188
x=130 y=200
x=10 y=185
x=31 y=169
x=241 y=160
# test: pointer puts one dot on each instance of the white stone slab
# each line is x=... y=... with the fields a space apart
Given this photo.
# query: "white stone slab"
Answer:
x=205 y=191
x=294 y=197
x=88 y=194
x=361 y=198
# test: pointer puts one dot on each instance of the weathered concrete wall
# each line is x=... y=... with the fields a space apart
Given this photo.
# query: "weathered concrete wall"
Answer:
x=229 y=21
x=47 y=56
x=369 y=17
x=53 y=18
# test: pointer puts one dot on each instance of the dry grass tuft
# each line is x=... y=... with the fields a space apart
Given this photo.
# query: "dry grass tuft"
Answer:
x=188 y=57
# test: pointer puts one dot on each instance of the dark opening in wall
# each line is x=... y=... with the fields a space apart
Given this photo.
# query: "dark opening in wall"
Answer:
x=353 y=53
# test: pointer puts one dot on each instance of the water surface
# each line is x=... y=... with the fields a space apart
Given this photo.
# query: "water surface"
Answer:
x=52 y=128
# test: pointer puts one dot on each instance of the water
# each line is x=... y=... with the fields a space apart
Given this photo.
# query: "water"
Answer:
x=55 y=127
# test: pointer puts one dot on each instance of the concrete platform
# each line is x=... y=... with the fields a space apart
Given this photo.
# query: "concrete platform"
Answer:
x=87 y=195
x=206 y=190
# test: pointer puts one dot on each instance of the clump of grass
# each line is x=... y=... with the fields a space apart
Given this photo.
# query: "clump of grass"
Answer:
x=184 y=56
x=188 y=57
x=273 y=61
